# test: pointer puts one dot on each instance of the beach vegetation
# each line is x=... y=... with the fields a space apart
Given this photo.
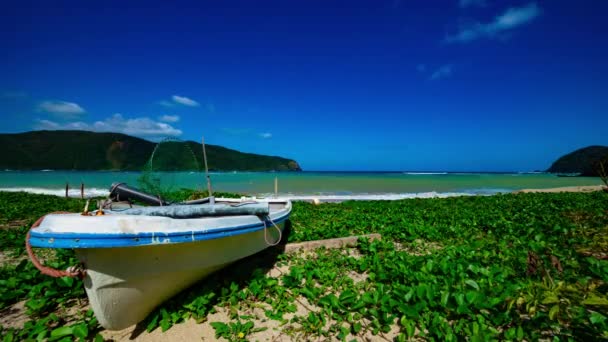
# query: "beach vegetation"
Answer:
x=503 y=267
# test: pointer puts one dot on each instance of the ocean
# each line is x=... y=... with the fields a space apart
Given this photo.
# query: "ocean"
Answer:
x=298 y=185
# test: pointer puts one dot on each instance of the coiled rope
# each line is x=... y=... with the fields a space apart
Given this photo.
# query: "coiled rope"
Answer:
x=271 y=244
x=72 y=271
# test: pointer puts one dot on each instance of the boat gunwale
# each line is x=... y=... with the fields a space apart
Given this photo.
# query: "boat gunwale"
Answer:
x=112 y=240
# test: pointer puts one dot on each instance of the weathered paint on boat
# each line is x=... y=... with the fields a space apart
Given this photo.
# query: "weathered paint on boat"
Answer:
x=139 y=262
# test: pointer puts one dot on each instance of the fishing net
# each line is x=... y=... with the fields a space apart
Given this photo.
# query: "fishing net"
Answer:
x=167 y=170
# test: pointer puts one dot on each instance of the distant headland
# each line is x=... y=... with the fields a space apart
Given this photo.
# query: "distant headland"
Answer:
x=84 y=150
x=583 y=162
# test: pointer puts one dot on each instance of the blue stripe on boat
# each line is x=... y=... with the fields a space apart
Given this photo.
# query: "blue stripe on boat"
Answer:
x=87 y=240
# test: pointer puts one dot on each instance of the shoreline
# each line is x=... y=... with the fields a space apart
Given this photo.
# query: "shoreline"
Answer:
x=329 y=197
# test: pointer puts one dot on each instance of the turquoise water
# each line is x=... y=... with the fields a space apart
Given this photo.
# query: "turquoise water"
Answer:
x=301 y=183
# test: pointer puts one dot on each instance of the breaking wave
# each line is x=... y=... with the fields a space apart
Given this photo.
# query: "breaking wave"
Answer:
x=326 y=197
x=88 y=192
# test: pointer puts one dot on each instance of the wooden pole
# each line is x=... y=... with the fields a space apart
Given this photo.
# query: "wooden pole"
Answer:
x=209 y=190
x=276 y=187
x=67 y=187
x=82 y=190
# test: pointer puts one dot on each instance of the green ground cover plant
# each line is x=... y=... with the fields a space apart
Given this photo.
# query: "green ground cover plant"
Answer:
x=504 y=267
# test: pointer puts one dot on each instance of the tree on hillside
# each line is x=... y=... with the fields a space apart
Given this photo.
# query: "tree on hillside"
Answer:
x=602 y=171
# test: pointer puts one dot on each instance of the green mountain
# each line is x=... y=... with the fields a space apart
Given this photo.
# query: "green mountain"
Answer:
x=82 y=150
x=583 y=161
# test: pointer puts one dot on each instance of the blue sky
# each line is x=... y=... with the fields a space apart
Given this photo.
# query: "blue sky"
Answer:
x=337 y=85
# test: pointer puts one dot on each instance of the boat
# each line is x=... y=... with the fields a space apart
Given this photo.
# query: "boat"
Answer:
x=134 y=258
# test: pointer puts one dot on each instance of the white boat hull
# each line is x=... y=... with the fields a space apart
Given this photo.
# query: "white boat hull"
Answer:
x=125 y=284
x=135 y=262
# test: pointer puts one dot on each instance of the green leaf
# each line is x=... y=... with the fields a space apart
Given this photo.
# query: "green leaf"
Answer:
x=472 y=283
x=248 y=325
x=595 y=300
x=9 y=337
x=81 y=330
x=219 y=326
x=410 y=329
x=471 y=296
x=65 y=281
x=60 y=332
x=347 y=297
x=510 y=333
x=553 y=312
x=409 y=295
x=444 y=298
x=165 y=324
x=597 y=317
x=153 y=323
x=41 y=335
x=550 y=299
x=520 y=333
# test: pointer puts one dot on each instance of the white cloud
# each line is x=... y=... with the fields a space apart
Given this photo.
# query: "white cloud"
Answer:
x=166 y=103
x=184 y=101
x=62 y=109
x=510 y=19
x=442 y=72
x=266 y=135
x=169 y=118
x=142 y=127
x=471 y=3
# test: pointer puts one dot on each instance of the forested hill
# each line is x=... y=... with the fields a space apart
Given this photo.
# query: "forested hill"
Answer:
x=82 y=150
x=583 y=161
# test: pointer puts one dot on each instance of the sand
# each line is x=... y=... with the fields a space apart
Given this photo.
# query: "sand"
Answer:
x=585 y=188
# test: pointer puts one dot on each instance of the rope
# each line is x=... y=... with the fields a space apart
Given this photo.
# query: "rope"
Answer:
x=72 y=271
x=271 y=244
x=240 y=204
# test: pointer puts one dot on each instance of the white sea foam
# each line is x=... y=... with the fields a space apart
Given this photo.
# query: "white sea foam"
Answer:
x=88 y=192
x=96 y=192
x=371 y=197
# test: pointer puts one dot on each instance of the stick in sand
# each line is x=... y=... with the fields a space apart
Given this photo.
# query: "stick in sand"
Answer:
x=276 y=187
x=211 y=198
